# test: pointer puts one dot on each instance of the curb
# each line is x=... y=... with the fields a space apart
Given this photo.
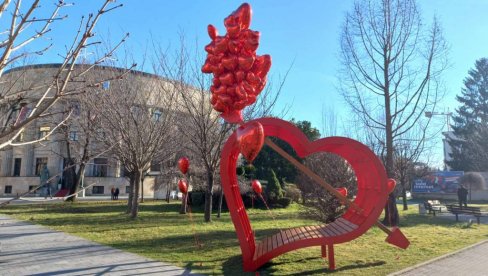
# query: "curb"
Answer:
x=437 y=259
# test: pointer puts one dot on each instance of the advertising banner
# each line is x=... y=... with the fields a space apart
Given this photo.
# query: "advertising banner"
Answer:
x=438 y=182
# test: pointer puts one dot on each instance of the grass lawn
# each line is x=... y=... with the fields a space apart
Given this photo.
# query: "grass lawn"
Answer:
x=161 y=233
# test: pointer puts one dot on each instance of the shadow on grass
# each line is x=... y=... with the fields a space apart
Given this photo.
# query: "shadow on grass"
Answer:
x=233 y=266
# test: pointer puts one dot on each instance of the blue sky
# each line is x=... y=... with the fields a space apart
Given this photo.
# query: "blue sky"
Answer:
x=305 y=33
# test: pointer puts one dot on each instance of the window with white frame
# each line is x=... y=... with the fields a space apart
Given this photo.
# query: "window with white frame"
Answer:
x=43 y=132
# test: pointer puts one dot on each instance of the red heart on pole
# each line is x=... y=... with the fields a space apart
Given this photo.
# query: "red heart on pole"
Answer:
x=370 y=198
x=250 y=137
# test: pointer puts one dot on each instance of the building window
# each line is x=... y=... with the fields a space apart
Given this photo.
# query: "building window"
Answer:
x=100 y=167
x=156 y=115
x=106 y=85
x=40 y=163
x=32 y=188
x=43 y=132
x=127 y=190
x=8 y=189
x=73 y=135
x=17 y=165
x=75 y=108
x=98 y=190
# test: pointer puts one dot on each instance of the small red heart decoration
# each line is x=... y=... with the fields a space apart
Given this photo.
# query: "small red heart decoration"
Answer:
x=250 y=137
x=371 y=196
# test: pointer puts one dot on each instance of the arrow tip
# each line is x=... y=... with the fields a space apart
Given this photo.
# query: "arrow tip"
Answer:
x=397 y=238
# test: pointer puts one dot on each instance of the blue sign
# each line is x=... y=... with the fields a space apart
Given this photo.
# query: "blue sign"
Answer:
x=438 y=182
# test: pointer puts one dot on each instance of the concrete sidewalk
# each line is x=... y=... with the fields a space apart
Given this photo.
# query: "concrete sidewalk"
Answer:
x=27 y=249
x=472 y=260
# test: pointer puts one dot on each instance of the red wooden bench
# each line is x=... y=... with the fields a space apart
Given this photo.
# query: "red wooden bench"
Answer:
x=370 y=198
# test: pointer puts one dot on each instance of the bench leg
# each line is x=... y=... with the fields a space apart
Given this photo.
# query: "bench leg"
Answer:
x=324 y=251
x=331 y=257
x=433 y=212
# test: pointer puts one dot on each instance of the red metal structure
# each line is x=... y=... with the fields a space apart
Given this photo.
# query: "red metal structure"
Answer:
x=371 y=197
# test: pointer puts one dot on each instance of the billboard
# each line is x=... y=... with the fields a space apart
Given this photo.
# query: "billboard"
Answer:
x=438 y=182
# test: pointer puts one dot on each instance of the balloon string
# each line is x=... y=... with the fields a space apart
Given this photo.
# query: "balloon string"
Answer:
x=267 y=207
x=198 y=244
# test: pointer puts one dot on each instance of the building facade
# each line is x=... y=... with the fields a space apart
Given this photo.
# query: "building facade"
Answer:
x=21 y=166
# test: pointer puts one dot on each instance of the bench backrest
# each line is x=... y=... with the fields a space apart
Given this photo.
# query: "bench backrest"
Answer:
x=465 y=210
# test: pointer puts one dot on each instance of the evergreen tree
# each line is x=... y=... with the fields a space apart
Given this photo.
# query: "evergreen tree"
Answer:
x=273 y=188
x=470 y=129
x=269 y=159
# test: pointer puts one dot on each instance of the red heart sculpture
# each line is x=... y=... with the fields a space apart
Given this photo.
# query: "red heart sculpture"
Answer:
x=371 y=196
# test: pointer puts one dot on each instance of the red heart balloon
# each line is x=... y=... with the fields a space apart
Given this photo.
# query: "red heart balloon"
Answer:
x=229 y=63
x=220 y=45
x=371 y=196
x=240 y=75
x=183 y=164
x=245 y=62
x=250 y=137
x=244 y=13
x=212 y=32
x=183 y=186
x=227 y=79
x=256 y=186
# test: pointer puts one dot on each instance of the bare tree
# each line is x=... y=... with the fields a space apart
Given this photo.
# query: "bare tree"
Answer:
x=79 y=133
x=138 y=124
x=391 y=68
x=26 y=23
x=319 y=203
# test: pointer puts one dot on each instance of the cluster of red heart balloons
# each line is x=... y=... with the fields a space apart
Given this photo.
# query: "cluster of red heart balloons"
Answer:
x=183 y=165
x=239 y=74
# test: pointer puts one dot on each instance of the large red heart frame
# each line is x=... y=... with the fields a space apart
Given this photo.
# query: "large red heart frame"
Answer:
x=371 y=180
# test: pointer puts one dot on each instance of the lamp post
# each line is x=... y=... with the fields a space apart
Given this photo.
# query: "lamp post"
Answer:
x=448 y=115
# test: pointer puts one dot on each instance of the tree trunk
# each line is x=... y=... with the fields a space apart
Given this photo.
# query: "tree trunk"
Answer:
x=135 y=199
x=77 y=184
x=208 y=197
x=184 y=204
x=391 y=211
x=404 y=195
x=131 y=193
x=142 y=190
x=221 y=197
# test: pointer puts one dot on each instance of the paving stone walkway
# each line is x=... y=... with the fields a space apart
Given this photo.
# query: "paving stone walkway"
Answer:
x=27 y=249
x=472 y=260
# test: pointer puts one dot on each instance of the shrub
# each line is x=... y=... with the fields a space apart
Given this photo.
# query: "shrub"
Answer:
x=197 y=198
x=293 y=192
x=284 y=202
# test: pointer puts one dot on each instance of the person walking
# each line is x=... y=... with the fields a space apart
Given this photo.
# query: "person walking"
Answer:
x=117 y=191
x=462 y=196
x=112 y=193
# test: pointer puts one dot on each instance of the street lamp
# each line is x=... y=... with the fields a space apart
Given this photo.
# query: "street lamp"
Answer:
x=448 y=115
